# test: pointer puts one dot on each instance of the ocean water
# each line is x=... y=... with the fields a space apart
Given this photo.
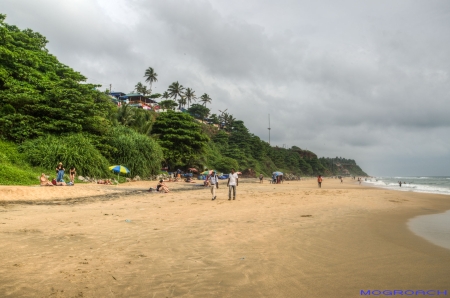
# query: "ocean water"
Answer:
x=434 y=227
x=430 y=184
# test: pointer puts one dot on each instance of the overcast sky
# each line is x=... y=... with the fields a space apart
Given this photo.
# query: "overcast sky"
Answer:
x=367 y=80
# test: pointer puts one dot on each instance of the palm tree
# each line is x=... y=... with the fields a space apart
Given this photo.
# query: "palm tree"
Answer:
x=151 y=76
x=175 y=89
x=205 y=99
x=190 y=95
x=165 y=95
x=126 y=115
x=182 y=102
x=227 y=120
x=141 y=88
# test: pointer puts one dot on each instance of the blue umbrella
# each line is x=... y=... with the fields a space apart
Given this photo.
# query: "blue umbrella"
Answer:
x=277 y=173
x=119 y=169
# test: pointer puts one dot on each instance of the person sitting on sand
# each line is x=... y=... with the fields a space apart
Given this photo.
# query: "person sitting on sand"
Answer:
x=162 y=187
x=60 y=172
x=44 y=180
x=188 y=179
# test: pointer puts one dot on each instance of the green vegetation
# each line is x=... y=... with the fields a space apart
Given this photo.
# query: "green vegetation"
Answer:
x=46 y=96
x=181 y=138
x=14 y=170
x=51 y=115
x=73 y=150
x=48 y=114
x=141 y=155
x=198 y=111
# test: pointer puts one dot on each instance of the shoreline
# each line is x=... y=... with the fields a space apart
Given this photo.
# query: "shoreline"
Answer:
x=286 y=240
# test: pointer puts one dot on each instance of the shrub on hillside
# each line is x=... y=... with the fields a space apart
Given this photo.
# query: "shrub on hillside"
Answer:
x=225 y=164
x=72 y=150
x=14 y=170
x=138 y=152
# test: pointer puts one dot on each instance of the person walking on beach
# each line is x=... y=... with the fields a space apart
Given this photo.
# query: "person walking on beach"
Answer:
x=261 y=177
x=233 y=181
x=319 y=181
x=59 y=172
x=213 y=183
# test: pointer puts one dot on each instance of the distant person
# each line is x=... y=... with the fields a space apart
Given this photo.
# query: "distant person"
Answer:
x=400 y=183
x=60 y=172
x=319 y=181
x=44 y=180
x=214 y=183
x=342 y=180
x=261 y=178
x=233 y=182
x=161 y=187
x=72 y=173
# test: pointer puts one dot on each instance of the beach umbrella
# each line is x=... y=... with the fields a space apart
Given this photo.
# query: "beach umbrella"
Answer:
x=119 y=169
x=193 y=170
x=277 y=173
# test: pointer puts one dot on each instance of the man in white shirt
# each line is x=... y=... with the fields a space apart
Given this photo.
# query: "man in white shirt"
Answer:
x=233 y=181
x=213 y=183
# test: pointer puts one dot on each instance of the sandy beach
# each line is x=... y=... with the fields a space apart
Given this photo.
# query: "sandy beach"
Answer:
x=288 y=240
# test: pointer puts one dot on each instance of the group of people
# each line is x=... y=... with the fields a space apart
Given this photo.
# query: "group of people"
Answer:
x=232 y=183
x=400 y=183
x=59 y=180
x=277 y=179
x=211 y=181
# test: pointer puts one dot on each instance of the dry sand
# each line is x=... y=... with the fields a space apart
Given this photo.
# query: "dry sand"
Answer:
x=289 y=240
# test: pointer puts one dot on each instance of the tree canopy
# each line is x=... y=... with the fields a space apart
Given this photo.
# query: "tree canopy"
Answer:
x=40 y=95
x=180 y=136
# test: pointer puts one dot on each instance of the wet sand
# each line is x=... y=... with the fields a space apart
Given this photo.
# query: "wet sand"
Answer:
x=289 y=240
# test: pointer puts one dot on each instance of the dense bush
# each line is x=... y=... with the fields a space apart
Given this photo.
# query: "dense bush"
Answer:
x=14 y=170
x=72 y=150
x=225 y=164
x=138 y=152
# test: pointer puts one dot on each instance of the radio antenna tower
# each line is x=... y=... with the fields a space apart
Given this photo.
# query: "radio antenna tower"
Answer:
x=269 y=129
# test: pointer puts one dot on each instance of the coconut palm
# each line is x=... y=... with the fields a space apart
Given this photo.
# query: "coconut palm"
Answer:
x=150 y=77
x=141 y=88
x=126 y=115
x=175 y=90
x=165 y=95
x=190 y=96
x=182 y=101
x=205 y=99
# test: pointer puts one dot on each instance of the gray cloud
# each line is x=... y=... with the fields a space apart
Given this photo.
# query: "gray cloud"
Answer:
x=357 y=79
